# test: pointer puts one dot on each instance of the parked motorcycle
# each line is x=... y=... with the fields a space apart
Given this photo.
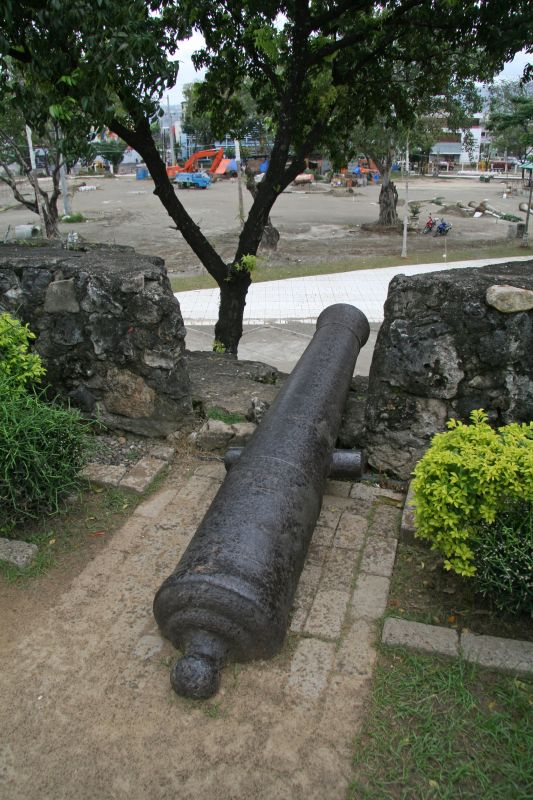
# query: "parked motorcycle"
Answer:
x=443 y=228
x=430 y=224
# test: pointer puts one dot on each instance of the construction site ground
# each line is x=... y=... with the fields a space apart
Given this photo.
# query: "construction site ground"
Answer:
x=317 y=225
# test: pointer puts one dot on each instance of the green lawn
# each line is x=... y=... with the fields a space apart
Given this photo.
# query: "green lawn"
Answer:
x=442 y=730
x=276 y=273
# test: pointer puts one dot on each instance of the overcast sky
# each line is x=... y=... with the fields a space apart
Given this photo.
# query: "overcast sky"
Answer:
x=187 y=74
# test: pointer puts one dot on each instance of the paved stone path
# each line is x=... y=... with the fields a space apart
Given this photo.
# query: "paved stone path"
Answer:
x=87 y=708
x=89 y=712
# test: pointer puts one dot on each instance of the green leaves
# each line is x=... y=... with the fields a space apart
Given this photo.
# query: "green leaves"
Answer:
x=465 y=480
x=17 y=365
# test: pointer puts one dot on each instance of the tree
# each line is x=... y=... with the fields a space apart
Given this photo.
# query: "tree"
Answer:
x=309 y=62
x=511 y=118
x=432 y=108
x=111 y=149
x=15 y=158
x=195 y=123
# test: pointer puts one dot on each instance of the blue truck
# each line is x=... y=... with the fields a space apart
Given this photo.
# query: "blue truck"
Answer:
x=195 y=180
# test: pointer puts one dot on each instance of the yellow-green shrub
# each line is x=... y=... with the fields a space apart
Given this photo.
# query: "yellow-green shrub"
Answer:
x=469 y=474
x=17 y=365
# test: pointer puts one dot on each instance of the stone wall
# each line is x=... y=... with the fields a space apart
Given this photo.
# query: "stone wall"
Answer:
x=451 y=342
x=109 y=330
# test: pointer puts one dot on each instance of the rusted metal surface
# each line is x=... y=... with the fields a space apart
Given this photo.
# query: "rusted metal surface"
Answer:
x=344 y=464
x=232 y=591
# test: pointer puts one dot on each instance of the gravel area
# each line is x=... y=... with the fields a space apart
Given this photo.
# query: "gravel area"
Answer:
x=123 y=449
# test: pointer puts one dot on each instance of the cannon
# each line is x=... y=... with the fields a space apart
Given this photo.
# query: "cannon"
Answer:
x=344 y=464
x=230 y=596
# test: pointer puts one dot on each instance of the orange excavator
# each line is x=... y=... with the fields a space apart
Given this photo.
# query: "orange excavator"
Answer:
x=190 y=164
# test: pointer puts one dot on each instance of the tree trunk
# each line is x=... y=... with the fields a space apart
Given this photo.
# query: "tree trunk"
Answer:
x=232 y=281
x=388 y=197
x=270 y=237
x=228 y=329
x=51 y=220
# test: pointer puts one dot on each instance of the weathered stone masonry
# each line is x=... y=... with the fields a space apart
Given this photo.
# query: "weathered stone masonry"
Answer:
x=451 y=341
x=109 y=330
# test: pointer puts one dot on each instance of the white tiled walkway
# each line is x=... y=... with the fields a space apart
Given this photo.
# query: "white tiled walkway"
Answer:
x=304 y=298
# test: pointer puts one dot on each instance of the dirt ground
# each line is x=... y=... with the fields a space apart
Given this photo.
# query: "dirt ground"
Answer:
x=87 y=710
x=315 y=226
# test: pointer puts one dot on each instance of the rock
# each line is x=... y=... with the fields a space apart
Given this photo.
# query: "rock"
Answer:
x=18 y=554
x=82 y=398
x=509 y=299
x=242 y=431
x=257 y=410
x=109 y=330
x=214 y=435
x=444 y=350
x=163 y=452
x=128 y=394
x=221 y=381
x=353 y=420
x=61 y=297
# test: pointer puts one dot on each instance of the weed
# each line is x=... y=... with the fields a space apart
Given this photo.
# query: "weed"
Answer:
x=91 y=517
x=213 y=711
x=42 y=449
x=218 y=346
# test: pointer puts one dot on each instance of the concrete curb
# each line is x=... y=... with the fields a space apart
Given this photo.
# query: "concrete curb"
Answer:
x=505 y=655
x=493 y=652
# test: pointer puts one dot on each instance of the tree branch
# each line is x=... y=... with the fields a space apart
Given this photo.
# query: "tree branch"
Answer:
x=319 y=22
x=353 y=38
x=142 y=141
x=11 y=182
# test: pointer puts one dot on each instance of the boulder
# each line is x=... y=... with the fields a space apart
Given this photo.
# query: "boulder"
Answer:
x=451 y=342
x=109 y=331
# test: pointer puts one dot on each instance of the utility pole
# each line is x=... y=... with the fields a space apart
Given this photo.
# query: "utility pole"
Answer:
x=239 y=181
x=171 y=130
x=67 y=209
x=406 y=210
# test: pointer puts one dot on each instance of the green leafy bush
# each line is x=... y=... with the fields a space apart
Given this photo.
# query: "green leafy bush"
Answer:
x=21 y=367
x=42 y=449
x=503 y=555
x=467 y=477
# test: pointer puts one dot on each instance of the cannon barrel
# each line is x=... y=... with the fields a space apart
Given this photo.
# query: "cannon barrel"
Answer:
x=231 y=593
x=344 y=464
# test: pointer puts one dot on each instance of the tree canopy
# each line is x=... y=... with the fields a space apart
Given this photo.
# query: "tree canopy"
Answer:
x=314 y=68
x=58 y=147
x=511 y=118
x=242 y=117
x=429 y=114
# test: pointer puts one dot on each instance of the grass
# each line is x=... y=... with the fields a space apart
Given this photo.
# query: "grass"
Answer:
x=90 y=518
x=438 y=730
x=73 y=218
x=225 y=416
x=277 y=273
